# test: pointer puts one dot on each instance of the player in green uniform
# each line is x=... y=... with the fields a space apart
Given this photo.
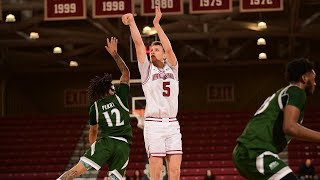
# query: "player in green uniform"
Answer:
x=274 y=124
x=110 y=112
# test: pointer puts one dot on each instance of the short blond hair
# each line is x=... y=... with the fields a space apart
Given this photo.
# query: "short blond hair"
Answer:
x=157 y=43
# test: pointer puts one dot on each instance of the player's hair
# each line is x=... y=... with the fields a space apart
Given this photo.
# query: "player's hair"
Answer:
x=99 y=86
x=155 y=43
x=298 y=67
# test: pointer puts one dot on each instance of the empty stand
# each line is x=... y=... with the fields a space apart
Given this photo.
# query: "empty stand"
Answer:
x=41 y=147
x=38 y=147
x=299 y=151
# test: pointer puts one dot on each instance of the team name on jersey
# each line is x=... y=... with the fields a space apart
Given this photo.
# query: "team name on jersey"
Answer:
x=162 y=75
x=108 y=106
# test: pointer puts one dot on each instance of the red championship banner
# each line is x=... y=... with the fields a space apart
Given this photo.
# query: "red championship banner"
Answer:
x=167 y=7
x=64 y=9
x=111 y=8
x=210 y=6
x=260 y=5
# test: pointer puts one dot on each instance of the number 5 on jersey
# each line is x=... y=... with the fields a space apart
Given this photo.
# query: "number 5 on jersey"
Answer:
x=166 y=89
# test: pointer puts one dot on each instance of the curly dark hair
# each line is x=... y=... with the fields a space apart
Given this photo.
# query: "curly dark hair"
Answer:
x=99 y=86
x=298 y=67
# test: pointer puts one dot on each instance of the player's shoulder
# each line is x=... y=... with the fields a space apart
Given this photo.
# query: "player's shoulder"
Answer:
x=93 y=106
x=290 y=89
x=295 y=90
x=167 y=64
x=98 y=102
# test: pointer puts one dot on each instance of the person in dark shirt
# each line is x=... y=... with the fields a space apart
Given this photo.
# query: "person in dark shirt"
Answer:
x=209 y=175
x=307 y=171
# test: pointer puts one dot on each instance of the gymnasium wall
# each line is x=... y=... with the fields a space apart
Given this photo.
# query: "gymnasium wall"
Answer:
x=2 y=97
x=64 y=92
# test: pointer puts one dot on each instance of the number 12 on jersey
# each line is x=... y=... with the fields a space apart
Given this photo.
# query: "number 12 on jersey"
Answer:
x=109 y=120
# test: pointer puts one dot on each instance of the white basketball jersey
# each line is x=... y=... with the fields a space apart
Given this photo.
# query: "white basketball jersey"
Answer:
x=161 y=89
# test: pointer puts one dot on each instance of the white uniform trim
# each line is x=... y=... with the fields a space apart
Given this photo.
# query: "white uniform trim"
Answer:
x=97 y=112
x=280 y=174
x=260 y=161
x=116 y=173
x=174 y=152
x=121 y=104
x=161 y=119
x=125 y=164
x=119 y=138
x=281 y=95
x=93 y=148
x=90 y=162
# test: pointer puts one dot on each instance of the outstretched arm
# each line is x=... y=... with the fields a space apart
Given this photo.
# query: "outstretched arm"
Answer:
x=111 y=47
x=128 y=19
x=171 y=57
x=292 y=128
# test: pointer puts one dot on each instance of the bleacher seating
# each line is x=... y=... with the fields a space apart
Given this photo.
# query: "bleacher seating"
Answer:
x=38 y=147
x=41 y=147
x=299 y=151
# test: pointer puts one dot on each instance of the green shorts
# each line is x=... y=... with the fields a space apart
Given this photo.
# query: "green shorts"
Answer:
x=111 y=151
x=266 y=165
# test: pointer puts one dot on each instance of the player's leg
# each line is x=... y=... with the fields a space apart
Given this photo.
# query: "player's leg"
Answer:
x=173 y=150
x=155 y=147
x=274 y=168
x=266 y=165
x=155 y=165
x=173 y=165
x=119 y=160
x=241 y=161
x=76 y=171
x=95 y=157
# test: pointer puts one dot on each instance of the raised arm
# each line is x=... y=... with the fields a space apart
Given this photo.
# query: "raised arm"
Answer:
x=111 y=47
x=171 y=57
x=128 y=19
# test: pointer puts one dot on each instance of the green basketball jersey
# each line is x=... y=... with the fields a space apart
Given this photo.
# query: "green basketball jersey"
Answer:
x=112 y=115
x=264 y=131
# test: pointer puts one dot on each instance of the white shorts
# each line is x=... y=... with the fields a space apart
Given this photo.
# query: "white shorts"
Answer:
x=162 y=136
